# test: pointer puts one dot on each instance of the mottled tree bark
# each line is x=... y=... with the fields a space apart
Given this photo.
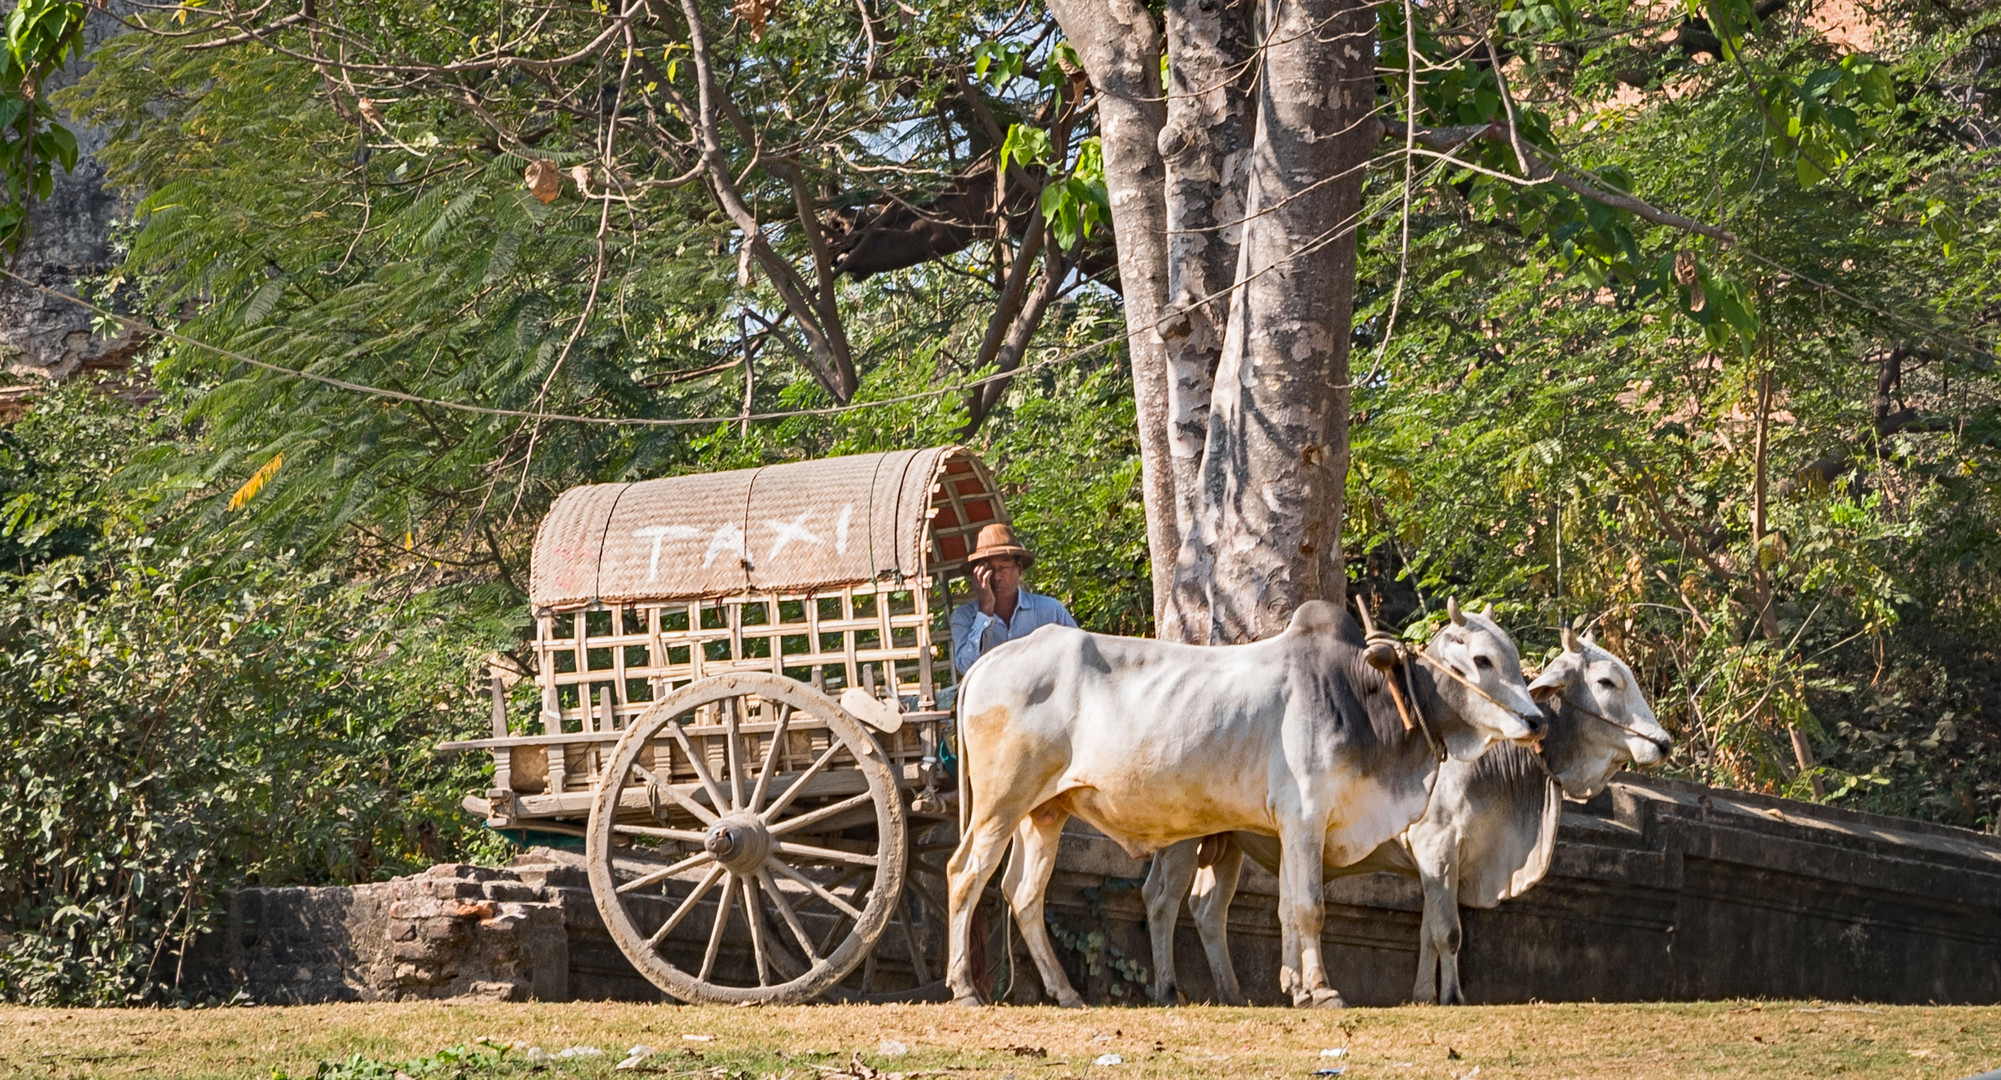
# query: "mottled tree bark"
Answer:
x=1267 y=537
x=1210 y=56
x=1234 y=202
x=1120 y=47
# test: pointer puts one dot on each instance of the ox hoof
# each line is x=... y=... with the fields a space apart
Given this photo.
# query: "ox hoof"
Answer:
x=1320 y=999
x=968 y=1001
x=1070 y=1000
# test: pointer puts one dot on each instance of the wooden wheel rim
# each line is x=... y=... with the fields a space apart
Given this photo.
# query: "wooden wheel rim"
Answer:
x=890 y=850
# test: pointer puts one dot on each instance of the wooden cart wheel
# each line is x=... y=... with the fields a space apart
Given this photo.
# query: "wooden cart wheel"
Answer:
x=908 y=963
x=752 y=801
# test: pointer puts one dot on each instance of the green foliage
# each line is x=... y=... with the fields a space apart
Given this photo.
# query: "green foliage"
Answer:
x=40 y=36
x=183 y=717
x=1572 y=416
x=1075 y=203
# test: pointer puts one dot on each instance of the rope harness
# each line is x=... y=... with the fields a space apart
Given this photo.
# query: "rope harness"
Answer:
x=1603 y=719
x=1564 y=701
x=1385 y=651
x=1386 y=654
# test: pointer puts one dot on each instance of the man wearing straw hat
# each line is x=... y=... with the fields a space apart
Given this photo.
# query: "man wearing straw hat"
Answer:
x=1000 y=610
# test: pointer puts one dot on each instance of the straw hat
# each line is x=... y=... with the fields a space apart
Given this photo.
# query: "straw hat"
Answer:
x=999 y=539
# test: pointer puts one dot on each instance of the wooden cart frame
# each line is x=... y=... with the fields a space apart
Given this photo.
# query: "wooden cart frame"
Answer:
x=739 y=681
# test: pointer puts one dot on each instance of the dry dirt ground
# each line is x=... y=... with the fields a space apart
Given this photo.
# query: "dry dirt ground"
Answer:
x=1737 y=1040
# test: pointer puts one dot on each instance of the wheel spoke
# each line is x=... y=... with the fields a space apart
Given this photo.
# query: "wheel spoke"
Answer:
x=815 y=887
x=808 y=851
x=700 y=764
x=733 y=749
x=771 y=754
x=924 y=898
x=702 y=813
x=822 y=814
x=689 y=863
x=755 y=918
x=686 y=836
x=723 y=905
x=687 y=905
x=798 y=786
x=910 y=943
x=786 y=913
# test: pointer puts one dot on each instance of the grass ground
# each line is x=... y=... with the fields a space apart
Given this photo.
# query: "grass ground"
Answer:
x=1740 y=1041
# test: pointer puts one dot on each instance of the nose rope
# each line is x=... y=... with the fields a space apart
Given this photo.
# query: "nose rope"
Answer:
x=1463 y=681
x=1564 y=700
x=1423 y=723
x=1603 y=719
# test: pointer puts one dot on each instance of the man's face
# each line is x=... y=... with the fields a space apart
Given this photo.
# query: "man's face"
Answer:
x=1003 y=574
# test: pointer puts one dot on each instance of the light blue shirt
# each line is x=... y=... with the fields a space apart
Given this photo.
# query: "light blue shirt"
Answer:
x=974 y=632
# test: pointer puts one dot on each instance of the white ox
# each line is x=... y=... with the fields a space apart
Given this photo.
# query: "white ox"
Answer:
x=1485 y=837
x=1152 y=742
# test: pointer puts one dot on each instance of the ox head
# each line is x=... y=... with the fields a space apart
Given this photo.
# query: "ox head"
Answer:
x=1608 y=723
x=1476 y=649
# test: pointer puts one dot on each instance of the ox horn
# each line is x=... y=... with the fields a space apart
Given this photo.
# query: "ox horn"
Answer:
x=1452 y=609
x=1570 y=641
x=1488 y=611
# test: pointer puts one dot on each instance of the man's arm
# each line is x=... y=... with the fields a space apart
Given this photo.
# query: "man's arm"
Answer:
x=969 y=627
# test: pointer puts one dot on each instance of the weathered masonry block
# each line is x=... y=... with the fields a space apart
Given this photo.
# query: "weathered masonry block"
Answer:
x=456 y=931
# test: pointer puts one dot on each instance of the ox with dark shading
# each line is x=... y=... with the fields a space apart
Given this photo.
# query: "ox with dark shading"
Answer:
x=1486 y=836
x=1295 y=737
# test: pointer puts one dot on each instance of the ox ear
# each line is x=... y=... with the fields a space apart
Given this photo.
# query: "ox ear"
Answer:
x=1452 y=609
x=1571 y=643
x=1554 y=678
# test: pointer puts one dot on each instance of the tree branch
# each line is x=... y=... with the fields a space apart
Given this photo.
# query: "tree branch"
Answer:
x=1447 y=139
x=784 y=279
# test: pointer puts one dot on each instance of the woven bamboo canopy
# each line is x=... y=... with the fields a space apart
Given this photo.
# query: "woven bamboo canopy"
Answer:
x=787 y=528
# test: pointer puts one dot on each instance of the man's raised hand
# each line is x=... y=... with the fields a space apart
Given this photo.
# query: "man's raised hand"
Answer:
x=983 y=587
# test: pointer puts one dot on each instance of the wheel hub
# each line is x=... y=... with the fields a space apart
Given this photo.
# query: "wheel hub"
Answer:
x=738 y=841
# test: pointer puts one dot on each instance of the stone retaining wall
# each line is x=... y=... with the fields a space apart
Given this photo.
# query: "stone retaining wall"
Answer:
x=1660 y=890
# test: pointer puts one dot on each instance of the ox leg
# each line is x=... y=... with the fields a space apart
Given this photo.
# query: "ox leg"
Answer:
x=1167 y=881
x=1300 y=913
x=1439 y=937
x=973 y=862
x=1425 y=991
x=1215 y=887
x=1025 y=883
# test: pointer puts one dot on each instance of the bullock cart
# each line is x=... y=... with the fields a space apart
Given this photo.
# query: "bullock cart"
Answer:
x=739 y=680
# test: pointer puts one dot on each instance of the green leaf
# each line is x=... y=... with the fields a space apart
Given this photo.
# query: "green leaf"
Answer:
x=1026 y=146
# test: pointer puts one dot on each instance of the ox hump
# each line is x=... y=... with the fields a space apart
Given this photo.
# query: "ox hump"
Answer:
x=1317 y=617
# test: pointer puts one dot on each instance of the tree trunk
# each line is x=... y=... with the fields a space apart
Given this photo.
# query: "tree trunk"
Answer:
x=1204 y=147
x=1120 y=48
x=1255 y=531
x=1268 y=535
